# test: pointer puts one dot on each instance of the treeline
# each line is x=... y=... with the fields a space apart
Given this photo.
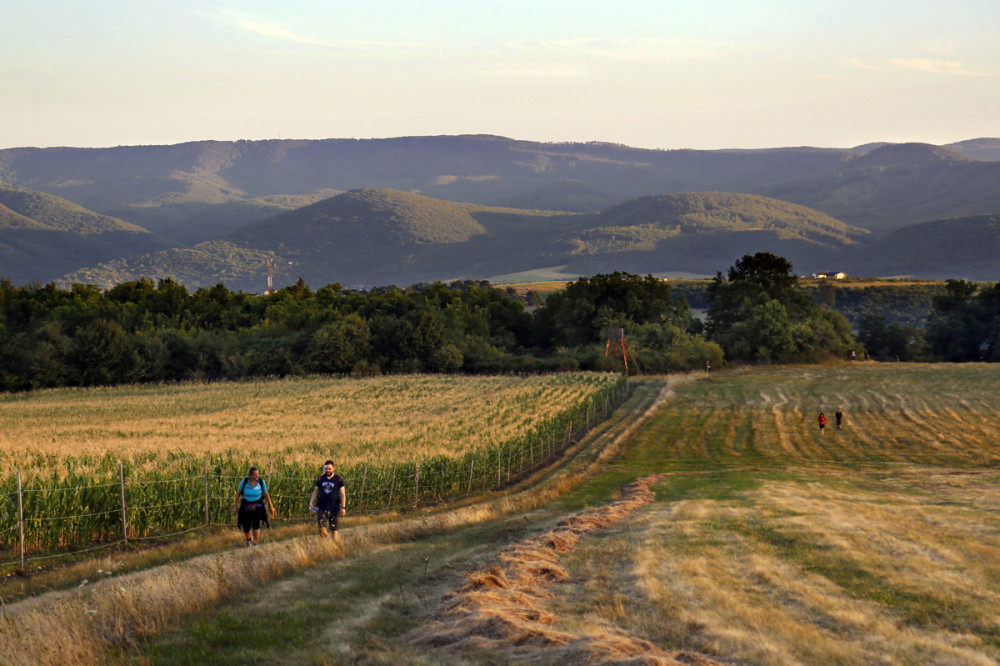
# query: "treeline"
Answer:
x=145 y=331
x=903 y=303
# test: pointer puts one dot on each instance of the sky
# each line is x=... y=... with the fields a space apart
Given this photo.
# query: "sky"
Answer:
x=664 y=74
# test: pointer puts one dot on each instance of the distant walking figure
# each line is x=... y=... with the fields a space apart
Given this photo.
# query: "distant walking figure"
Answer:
x=822 y=423
x=853 y=357
x=840 y=418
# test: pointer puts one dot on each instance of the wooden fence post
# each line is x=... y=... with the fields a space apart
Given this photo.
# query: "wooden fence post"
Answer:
x=20 y=519
x=392 y=487
x=472 y=466
x=416 y=485
x=364 y=477
x=208 y=521
x=121 y=487
x=442 y=479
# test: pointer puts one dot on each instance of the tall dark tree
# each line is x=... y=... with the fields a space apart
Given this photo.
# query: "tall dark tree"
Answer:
x=580 y=313
x=964 y=324
x=758 y=313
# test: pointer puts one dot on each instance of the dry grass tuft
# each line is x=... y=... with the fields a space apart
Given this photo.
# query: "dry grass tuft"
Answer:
x=124 y=610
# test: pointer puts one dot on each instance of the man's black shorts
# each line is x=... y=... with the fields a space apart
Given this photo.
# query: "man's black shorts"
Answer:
x=331 y=518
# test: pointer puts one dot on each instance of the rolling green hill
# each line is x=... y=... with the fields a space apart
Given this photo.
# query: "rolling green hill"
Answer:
x=377 y=236
x=43 y=236
x=468 y=206
x=899 y=184
x=960 y=248
x=202 y=190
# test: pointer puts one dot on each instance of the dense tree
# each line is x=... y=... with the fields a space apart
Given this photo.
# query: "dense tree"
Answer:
x=965 y=323
x=757 y=313
x=581 y=313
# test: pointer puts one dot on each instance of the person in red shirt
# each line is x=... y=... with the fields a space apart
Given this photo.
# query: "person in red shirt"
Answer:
x=822 y=423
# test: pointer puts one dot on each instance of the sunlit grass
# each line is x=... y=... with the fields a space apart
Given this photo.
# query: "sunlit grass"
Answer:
x=772 y=543
x=397 y=418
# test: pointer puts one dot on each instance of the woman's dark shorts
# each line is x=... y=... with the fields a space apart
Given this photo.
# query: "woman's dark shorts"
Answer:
x=251 y=515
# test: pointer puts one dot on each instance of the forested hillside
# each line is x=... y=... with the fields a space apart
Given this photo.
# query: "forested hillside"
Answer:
x=374 y=237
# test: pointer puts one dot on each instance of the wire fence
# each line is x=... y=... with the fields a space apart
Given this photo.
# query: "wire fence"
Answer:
x=52 y=518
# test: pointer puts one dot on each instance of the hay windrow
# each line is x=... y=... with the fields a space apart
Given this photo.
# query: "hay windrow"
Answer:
x=500 y=607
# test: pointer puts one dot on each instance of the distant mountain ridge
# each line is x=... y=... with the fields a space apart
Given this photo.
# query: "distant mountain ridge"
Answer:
x=908 y=182
x=477 y=205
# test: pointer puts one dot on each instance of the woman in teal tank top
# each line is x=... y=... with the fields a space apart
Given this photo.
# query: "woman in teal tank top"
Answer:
x=250 y=507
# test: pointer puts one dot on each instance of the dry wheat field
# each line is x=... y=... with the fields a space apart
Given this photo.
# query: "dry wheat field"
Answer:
x=103 y=466
x=355 y=420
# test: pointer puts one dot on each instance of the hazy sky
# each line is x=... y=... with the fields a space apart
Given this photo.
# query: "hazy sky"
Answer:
x=657 y=74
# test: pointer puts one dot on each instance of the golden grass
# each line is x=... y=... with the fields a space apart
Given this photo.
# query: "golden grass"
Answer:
x=771 y=543
x=500 y=609
x=799 y=572
x=354 y=420
x=128 y=608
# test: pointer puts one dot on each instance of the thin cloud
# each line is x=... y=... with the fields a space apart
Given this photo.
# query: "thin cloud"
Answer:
x=932 y=66
x=928 y=65
x=857 y=64
x=536 y=71
x=642 y=51
x=275 y=30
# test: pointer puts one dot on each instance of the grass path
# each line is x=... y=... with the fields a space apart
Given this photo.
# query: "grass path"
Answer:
x=766 y=543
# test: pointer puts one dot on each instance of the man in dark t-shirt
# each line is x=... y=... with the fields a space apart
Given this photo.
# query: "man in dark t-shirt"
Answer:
x=328 y=500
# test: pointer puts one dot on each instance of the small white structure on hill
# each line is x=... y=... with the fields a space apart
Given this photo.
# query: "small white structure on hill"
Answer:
x=832 y=275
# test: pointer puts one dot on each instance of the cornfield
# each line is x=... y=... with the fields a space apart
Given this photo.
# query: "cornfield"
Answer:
x=100 y=467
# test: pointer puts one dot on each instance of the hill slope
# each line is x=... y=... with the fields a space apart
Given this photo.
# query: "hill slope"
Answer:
x=899 y=184
x=43 y=236
x=376 y=236
x=966 y=248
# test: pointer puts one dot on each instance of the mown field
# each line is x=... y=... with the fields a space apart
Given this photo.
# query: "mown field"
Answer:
x=773 y=544
x=767 y=543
